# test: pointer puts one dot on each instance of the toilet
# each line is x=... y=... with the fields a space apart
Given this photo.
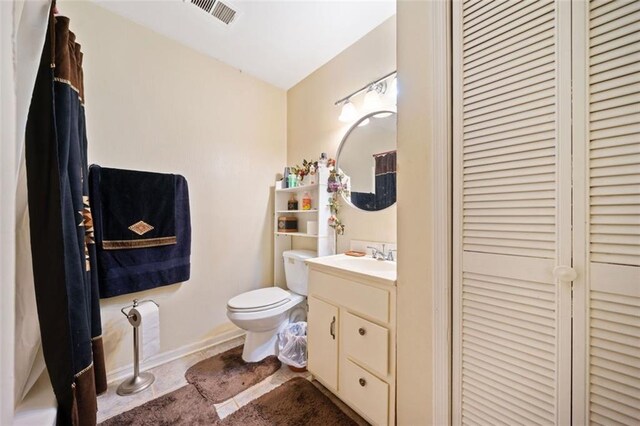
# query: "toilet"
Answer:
x=264 y=312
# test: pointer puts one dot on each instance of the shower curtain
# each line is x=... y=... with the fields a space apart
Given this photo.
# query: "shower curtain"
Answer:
x=385 y=184
x=62 y=247
x=385 y=179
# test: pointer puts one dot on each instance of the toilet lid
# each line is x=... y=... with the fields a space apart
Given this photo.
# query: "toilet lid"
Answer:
x=264 y=298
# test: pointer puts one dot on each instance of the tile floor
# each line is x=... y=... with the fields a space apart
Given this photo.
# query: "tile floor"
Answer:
x=170 y=376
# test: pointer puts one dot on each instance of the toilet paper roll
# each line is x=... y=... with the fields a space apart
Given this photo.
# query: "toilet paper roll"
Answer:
x=149 y=328
x=312 y=227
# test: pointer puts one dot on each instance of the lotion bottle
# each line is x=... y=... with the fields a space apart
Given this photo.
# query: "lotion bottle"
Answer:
x=306 y=201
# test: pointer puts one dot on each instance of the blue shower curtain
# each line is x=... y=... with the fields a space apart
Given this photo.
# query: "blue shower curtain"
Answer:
x=62 y=246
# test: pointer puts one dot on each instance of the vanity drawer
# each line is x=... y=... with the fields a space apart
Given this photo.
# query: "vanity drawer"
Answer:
x=361 y=298
x=365 y=392
x=366 y=342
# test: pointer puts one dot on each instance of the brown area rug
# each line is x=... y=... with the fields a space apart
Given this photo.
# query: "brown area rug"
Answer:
x=184 y=406
x=295 y=403
x=225 y=375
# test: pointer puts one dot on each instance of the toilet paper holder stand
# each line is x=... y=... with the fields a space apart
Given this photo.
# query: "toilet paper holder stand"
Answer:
x=139 y=381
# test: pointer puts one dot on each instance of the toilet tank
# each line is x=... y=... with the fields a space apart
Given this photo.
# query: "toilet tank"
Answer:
x=295 y=270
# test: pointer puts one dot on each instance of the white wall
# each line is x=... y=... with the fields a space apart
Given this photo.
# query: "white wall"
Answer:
x=313 y=126
x=153 y=104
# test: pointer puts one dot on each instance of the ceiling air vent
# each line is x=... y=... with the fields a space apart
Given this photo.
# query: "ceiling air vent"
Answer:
x=205 y=5
x=219 y=10
x=223 y=12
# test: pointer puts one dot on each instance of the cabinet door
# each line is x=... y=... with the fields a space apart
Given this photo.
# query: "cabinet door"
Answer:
x=322 y=342
x=512 y=212
x=607 y=212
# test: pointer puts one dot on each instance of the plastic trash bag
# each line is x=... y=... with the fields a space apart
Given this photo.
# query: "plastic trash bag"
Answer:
x=292 y=344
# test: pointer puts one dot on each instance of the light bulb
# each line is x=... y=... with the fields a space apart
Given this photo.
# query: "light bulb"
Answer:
x=393 y=90
x=372 y=101
x=348 y=113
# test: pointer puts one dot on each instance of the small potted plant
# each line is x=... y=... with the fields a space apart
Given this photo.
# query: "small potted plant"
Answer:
x=306 y=173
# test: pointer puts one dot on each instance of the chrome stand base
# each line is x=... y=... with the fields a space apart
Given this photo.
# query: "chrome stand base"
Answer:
x=135 y=384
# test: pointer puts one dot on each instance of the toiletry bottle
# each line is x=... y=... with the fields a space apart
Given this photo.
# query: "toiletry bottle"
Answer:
x=292 y=204
x=293 y=180
x=323 y=159
x=306 y=201
x=285 y=178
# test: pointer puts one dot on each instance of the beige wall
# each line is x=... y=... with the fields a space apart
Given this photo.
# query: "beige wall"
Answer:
x=153 y=104
x=313 y=126
x=423 y=121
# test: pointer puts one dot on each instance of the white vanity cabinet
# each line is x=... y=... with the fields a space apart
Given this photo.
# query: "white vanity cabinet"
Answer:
x=352 y=339
x=322 y=323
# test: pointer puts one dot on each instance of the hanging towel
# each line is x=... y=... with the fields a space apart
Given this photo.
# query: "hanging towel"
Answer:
x=138 y=209
x=142 y=229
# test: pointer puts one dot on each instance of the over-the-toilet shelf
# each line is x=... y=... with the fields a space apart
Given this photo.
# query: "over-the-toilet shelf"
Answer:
x=323 y=242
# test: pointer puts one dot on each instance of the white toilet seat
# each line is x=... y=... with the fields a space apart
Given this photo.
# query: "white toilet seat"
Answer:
x=259 y=300
x=265 y=311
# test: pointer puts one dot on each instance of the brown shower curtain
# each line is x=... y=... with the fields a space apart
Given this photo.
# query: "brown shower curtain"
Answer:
x=62 y=245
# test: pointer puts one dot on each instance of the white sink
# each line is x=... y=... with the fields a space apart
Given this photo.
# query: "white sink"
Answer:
x=382 y=270
x=366 y=264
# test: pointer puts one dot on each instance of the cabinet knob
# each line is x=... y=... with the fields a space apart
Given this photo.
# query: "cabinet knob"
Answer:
x=362 y=382
x=362 y=331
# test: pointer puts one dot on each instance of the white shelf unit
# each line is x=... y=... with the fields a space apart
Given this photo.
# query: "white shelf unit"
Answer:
x=323 y=243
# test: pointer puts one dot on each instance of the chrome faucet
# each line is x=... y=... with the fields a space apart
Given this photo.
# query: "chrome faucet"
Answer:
x=381 y=255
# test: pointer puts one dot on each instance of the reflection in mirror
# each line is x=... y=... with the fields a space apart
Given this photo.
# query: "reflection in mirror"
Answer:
x=367 y=157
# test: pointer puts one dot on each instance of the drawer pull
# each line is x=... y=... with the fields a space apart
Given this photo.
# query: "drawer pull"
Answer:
x=362 y=331
x=362 y=382
x=332 y=328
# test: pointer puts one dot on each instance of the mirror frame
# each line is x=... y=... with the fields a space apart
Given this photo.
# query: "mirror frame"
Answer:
x=341 y=146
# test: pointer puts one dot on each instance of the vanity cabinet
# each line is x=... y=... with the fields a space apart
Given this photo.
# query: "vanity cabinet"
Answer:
x=352 y=340
x=322 y=323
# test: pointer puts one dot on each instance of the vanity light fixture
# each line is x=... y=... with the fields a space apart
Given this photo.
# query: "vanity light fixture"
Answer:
x=392 y=94
x=349 y=112
x=372 y=99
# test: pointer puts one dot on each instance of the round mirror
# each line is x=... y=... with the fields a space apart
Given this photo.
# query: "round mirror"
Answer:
x=367 y=158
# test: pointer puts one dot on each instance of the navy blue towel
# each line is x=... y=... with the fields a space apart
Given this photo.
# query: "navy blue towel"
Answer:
x=142 y=229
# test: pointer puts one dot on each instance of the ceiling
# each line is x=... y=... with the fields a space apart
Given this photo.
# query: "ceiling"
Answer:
x=280 y=42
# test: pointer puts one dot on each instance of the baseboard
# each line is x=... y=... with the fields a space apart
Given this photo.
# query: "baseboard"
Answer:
x=164 y=357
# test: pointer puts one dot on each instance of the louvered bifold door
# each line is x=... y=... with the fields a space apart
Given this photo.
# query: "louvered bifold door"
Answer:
x=512 y=212
x=606 y=49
